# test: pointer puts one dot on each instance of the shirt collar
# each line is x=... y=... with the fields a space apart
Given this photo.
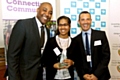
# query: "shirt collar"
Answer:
x=38 y=22
x=89 y=31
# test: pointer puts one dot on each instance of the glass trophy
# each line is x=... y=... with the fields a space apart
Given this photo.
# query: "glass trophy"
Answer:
x=62 y=64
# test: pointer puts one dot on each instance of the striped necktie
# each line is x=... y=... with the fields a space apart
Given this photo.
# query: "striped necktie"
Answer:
x=42 y=38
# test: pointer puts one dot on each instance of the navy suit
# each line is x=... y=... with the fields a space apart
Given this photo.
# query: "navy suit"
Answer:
x=24 y=51
x=100 y=55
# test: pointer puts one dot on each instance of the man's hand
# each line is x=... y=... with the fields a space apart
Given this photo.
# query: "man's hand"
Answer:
x=93 y=77
x=87 y=77
x=90 y=77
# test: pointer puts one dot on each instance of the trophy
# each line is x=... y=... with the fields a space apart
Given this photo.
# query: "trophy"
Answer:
x=62 y=64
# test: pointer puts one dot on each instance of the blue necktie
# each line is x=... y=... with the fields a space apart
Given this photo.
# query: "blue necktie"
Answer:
x=42 y=38
x=87 y=49
x=87 y=44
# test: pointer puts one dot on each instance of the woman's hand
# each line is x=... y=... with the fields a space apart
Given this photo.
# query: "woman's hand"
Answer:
x=56 y=65
x=69 y=62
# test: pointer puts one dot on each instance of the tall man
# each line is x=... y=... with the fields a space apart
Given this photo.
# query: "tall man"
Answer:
x=24 y=50
x=91 y=59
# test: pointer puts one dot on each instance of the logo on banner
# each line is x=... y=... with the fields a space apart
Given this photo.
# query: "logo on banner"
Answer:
x=118 y=68
x=96 y=9
x=73 y=30
x=119 y=51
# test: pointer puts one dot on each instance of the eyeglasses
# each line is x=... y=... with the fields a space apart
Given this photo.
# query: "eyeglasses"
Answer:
x=63 y=24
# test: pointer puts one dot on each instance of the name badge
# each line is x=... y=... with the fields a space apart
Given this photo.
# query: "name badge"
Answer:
x=98 y=42
x=88 y=58
x=57 y=51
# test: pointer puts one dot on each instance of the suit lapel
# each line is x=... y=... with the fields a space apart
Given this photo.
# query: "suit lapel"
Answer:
x=92 y=42
x=82 y=45
x=36 y=31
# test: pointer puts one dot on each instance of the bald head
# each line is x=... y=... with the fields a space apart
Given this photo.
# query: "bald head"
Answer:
x=44 y=12
x=45 y=3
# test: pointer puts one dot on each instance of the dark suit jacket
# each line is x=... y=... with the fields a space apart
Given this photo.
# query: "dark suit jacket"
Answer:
x=100 y=54
x=24 y=52
x=50 y=58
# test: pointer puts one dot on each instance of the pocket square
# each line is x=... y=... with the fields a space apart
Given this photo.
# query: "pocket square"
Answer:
x=98 y=42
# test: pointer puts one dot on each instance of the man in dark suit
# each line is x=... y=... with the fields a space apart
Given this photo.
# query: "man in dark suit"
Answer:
x=24 y=50
x=92 y=66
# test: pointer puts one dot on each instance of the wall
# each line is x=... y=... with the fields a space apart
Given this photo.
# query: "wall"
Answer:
x=1 y=28
x=114 y=38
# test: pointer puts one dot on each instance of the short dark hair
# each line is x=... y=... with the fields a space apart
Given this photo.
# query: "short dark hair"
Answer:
x=58 y=21
x=83 y=12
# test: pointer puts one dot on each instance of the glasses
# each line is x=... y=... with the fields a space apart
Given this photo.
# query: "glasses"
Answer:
x=63 y=24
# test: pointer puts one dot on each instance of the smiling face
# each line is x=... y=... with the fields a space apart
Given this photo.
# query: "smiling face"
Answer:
x=85 y=21
x=44 y=12
x=63 y=28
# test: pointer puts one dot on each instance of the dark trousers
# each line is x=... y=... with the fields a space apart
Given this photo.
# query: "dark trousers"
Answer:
x=40 y=74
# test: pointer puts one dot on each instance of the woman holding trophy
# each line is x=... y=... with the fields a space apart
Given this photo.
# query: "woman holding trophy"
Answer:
x=57 y=56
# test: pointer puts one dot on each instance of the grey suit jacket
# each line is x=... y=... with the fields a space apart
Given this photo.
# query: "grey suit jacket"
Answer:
x=24 y=52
